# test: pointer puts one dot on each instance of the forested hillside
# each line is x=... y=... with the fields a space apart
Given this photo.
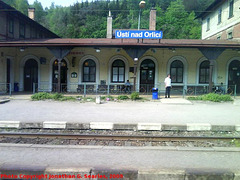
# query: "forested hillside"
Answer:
x=176 y=18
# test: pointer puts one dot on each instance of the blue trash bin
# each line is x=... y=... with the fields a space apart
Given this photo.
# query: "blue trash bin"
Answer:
x=154 y=93
x=16 y=88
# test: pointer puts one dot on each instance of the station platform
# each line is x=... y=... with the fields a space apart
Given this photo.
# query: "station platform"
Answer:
x=143 y=163
x=133 y=163
x=175 y=111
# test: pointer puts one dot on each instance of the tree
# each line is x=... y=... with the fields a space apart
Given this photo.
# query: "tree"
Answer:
x=178 y=23
x=40 y=14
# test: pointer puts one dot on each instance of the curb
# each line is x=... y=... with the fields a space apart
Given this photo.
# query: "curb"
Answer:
x=2 y=101
x=99 y=173
x=118 y=126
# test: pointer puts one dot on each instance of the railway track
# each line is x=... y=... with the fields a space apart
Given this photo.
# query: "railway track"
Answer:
x=114 y=137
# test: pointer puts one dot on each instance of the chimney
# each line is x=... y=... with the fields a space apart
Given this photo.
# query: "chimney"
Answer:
x=152 y=19
x=109 y=26
x=31 y=13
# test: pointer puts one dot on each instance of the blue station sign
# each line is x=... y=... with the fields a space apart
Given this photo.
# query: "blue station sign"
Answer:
x=138 y=34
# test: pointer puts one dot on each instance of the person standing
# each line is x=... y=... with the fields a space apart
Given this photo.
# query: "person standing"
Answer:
x=168 y=86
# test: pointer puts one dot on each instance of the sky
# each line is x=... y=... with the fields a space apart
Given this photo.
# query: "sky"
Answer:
x=47 y=3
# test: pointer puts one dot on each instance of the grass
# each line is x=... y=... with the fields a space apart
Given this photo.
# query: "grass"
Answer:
x=55 y=96
x=59 y=97
x=236 y=142
x=212 y=97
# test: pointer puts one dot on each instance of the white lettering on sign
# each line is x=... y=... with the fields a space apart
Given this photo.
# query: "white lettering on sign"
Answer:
x=123 y=34
x=138 y=34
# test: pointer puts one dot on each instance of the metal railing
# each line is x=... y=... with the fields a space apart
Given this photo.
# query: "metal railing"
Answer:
x=143 y=89
x=6 y=88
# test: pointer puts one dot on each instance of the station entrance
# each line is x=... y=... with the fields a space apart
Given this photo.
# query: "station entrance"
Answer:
x=234 y=75
x=30 y=74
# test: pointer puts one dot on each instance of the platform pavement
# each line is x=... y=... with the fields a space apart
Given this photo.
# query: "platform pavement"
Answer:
x=174 y=111
x=134 y=162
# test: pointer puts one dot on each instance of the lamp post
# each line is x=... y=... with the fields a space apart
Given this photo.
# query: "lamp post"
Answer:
x=135 y=73
x=141 y=6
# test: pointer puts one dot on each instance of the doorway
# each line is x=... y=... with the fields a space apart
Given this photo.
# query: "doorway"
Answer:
x=64 y=68
x=30 y=74
x=147 y=75
x=234 y=75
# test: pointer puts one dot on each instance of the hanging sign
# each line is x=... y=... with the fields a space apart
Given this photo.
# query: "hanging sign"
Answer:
x=138 y=34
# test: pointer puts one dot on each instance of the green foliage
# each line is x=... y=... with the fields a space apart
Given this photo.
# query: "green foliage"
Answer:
x=134 y=96
x=41 y=96
x=88 y=19
x=212 y=97
x=109 y=98
x=55 y=96
x=236 y=142
x=122 y=97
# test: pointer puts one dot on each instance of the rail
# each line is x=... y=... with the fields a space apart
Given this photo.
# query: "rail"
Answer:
x=114 y=137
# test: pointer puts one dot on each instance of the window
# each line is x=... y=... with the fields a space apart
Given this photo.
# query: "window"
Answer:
x=231 y=8
x=230 y=35
x=89 y=71
x=204 y=72
x=219 y=16
x=176 y=71
x=10 y=25
x=219 y=37
x=118 y=71
x=208 y=24
x=22 y=30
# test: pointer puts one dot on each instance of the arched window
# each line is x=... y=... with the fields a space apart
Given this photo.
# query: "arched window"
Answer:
x=89 y=71
x=176 y=71
x=118 y=71
x=204 y=72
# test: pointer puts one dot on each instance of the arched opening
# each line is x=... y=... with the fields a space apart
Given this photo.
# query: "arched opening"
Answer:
x=30 y=74
x=118 y=71
x=89 y=71
x=147 y=75
x=204 y=72
x=234 y=75
x=176 y=71
x=63 y=82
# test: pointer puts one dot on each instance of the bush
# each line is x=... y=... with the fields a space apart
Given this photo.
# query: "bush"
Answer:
x=110 y=98
x=57 y=96
x=212 y=97
x=41 y=96
x=134 y=96
x=122 y=97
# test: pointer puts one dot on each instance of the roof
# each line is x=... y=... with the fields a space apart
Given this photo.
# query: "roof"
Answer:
x=148 y=43
x=14 y=12
x=210 y=8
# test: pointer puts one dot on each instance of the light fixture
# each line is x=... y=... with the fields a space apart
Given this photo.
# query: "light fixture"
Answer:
x=97 y=50
x=153 y=50
x=142 y=4
x=135 y=59
x=173 y=50
x=22 y=49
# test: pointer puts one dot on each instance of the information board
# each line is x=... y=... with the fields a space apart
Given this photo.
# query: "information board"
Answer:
x=138 y=34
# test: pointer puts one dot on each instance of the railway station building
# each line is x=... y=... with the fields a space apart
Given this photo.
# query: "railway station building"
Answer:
x=48 y=63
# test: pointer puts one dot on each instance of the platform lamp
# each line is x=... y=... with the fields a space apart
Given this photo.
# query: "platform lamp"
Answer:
x=135 y=73
x=141 y=6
